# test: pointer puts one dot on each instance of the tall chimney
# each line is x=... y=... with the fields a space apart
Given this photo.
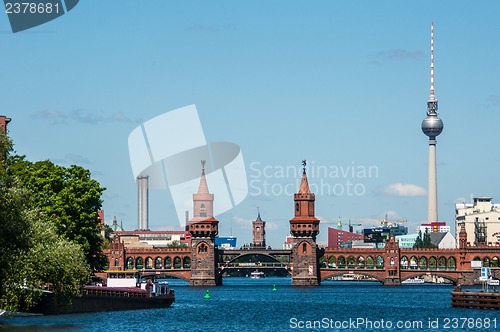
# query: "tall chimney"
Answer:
x=142 y=194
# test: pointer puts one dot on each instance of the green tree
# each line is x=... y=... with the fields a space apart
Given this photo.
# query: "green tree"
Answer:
x=177 y=244
x=32 y=254
x=69 y=197
x=427 y=241
x=48 y=260
x=424 y=241
x=418 y=242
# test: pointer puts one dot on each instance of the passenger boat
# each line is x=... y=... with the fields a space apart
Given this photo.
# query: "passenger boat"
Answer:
x=347 y=277
x=123 y=291
x=257 y=275
x=413 y=281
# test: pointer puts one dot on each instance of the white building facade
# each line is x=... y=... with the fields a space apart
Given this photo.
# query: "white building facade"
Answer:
x=481 y=219
x=406 y=241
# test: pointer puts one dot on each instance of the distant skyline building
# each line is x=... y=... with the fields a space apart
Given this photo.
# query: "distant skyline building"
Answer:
x=338 y=237
x=434 y=227
x=432 y=126
x=407 y=241
x=226 y=242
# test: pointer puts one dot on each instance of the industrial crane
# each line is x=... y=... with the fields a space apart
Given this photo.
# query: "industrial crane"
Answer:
x=351 y=225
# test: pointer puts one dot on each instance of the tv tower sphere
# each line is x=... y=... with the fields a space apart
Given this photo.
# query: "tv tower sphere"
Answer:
x=432 y=125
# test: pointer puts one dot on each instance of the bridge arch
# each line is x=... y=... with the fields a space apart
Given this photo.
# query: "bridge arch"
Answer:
x=158 y=262
x=252 y=254
x=486 y=261
x=341 y=262
x=139 y=263
x=351 y=262
x=404 y=262
x=369 y=262
x=166 y=275
x=332 y=261
x=454 y=280
x=413 y=262
x=432 y=263
x=380 y=262
x=186 y=262
x=452 y=263
x=177 y=262
x=168 y=262
x=149 y=262
x=360 y=262
x=129 y=263
x=442 y=263
x=423 y=263
x=494 y=262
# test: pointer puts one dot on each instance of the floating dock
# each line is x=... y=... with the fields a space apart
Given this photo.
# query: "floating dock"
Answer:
x=483 y=300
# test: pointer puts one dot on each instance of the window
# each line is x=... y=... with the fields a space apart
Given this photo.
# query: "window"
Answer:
x=203 y=210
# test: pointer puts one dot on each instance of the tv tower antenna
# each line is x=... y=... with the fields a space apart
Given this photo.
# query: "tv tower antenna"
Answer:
x=432 y=61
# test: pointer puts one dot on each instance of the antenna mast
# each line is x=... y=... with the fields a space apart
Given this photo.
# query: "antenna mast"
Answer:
x=432 y=61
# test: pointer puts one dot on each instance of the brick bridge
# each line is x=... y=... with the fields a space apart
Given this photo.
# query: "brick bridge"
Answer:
x=390 y=265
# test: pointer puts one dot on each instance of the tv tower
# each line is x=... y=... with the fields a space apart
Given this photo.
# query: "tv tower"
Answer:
x=432 y=126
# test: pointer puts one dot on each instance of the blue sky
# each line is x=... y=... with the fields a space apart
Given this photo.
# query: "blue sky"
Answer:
x=341 y=84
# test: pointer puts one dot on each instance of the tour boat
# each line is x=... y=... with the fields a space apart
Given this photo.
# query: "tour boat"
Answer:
x=257 y=275
x=415 y=280
x=123 y=291
x=348 y=277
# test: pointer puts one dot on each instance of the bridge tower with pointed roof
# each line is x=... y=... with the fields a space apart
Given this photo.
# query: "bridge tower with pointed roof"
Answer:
x=304 y=227
x=203 y=228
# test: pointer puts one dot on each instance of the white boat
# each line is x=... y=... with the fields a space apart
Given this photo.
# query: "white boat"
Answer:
x=348 y=277
x=415 y=280
x=257 y=275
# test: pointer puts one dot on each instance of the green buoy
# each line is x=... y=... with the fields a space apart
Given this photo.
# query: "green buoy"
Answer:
x=274 y=288
x=207 y=295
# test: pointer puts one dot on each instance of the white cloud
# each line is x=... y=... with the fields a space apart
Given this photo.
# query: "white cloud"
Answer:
x=404 y=189
x=247 y=223
x=270 y=226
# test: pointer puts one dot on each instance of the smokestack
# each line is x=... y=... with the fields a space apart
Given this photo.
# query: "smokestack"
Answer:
x=143 y=193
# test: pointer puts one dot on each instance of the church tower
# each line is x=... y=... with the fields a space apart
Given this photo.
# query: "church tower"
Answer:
x=304 y=227
x=203 y=228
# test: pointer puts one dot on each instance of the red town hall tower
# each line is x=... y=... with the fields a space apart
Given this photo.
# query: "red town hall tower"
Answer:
x=203 y=228
x=304 y=227
x=259 y=232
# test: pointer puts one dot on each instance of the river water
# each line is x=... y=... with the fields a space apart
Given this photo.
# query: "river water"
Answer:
x=245 y=304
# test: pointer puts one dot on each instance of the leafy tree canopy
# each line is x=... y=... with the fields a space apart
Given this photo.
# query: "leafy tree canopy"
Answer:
x=177 y=244
x=69 y=197
x=423 y=241
x=33 y=254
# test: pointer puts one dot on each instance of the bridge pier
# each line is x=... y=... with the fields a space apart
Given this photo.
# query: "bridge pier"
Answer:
x=392 y=281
